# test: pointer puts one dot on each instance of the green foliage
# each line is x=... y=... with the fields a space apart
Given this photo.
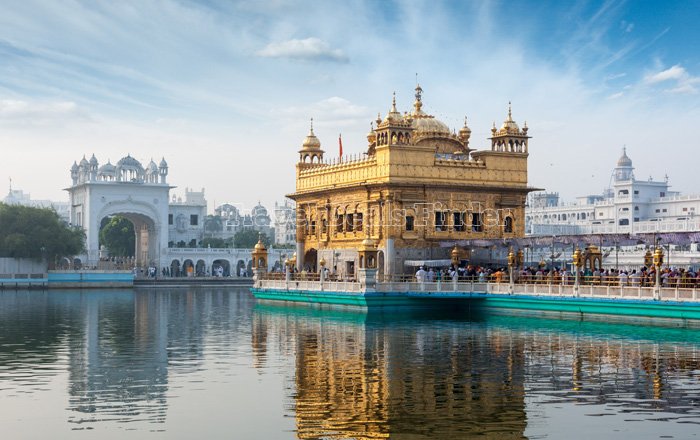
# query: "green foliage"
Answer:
x=213 y=223
x=117 y=234
x=246 y=239
x=213 y=242
x=37 y=233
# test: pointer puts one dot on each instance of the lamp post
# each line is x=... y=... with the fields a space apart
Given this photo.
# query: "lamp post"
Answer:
x=658 y=261
x=511 y=262
x=577 y=260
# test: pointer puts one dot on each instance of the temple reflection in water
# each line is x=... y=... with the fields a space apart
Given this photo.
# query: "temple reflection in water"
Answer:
x=356 y=377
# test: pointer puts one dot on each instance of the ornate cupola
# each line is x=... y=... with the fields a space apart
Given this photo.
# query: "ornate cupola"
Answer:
x=311 y=151
x=509 y=138
x=395 y=129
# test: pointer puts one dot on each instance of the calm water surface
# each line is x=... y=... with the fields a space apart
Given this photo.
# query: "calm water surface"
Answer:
x=213 y=363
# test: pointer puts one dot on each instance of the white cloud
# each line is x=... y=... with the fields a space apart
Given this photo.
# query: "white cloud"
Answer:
x=684 y=82
x=309 y=49
x=38 y=112
x=333 y=109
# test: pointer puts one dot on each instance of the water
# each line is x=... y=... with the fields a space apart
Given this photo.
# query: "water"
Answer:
x=212 y=363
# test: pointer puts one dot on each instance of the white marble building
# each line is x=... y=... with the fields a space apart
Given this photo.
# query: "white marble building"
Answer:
x=186 y=219
x=19 y=197
x=629 y=206
x=285 y=223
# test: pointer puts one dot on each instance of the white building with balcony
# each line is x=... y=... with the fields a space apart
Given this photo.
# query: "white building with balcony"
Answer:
x=629 y=206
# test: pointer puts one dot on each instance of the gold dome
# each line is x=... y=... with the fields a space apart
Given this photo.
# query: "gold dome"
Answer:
x=372 y=135
x=259 y=246
x=424 y=123
x=394 y=115
x=311 y=142
x=509 y=124
x=368 y=244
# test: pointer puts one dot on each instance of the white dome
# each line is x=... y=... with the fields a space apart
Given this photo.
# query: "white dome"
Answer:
x=129 y=162
x=107 y=168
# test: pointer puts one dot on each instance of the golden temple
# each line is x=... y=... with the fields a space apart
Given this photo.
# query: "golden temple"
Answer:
x=417 y=191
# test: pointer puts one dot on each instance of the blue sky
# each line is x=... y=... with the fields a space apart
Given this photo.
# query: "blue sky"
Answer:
x=225 y=90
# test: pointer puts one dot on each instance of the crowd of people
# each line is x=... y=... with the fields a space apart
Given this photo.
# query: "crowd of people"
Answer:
x=644 y=277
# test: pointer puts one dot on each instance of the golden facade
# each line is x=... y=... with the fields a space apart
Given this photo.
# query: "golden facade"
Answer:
x=418 y=189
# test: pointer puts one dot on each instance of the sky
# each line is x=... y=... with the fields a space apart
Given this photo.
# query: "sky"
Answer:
x=225 y=90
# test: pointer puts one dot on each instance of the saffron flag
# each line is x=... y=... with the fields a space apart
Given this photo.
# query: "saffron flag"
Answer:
x=340 y=146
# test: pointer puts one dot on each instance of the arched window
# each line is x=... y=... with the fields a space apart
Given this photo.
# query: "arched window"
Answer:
x=508 y=224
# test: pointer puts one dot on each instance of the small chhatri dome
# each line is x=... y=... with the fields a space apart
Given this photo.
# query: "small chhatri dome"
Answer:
x=152 y=167
x=107 y=168
x=163 y=163
x=311 y=142
x=465 y=130
x=624 y=160
x=129 y=162
x=260 y=246
x=84 y=162
x=509 y=124
x=74 y=167
x=93 y=160
x=394 y=115
x=372 y=135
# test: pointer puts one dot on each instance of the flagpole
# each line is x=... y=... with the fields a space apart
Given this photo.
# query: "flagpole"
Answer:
x=340 y=147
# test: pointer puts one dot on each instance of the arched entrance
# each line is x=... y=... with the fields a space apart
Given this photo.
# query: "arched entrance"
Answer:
x=175 y=268
x=240 y=268
x=188 y=268
x=310 y=258
x=200 y=268
x=221 y=268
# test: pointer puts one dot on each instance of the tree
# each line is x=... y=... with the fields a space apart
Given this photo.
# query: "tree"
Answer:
x=247 y=238
x=37 y=233
x=213 y=223
x=117 y=234
x=212 y=242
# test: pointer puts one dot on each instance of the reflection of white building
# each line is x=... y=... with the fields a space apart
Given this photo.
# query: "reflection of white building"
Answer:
x=186 y=218
x=285 y=223
x=19 y=197
x=628 y=206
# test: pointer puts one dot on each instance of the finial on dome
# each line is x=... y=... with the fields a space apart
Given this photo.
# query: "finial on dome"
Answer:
x=393 y=103
x=510 y=115
x=312 y=126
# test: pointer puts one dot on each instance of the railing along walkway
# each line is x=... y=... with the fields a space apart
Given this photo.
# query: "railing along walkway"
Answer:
x=410 y=285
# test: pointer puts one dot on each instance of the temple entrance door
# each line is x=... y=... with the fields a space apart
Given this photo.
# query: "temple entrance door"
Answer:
x=310 y=260
x=350 y=270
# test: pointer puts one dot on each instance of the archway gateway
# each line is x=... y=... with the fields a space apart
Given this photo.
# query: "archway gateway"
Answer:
x=126 y=189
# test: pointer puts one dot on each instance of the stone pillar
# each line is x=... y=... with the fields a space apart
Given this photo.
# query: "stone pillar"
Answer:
x=389 y=257
x=300 y=256
x=367 y=278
